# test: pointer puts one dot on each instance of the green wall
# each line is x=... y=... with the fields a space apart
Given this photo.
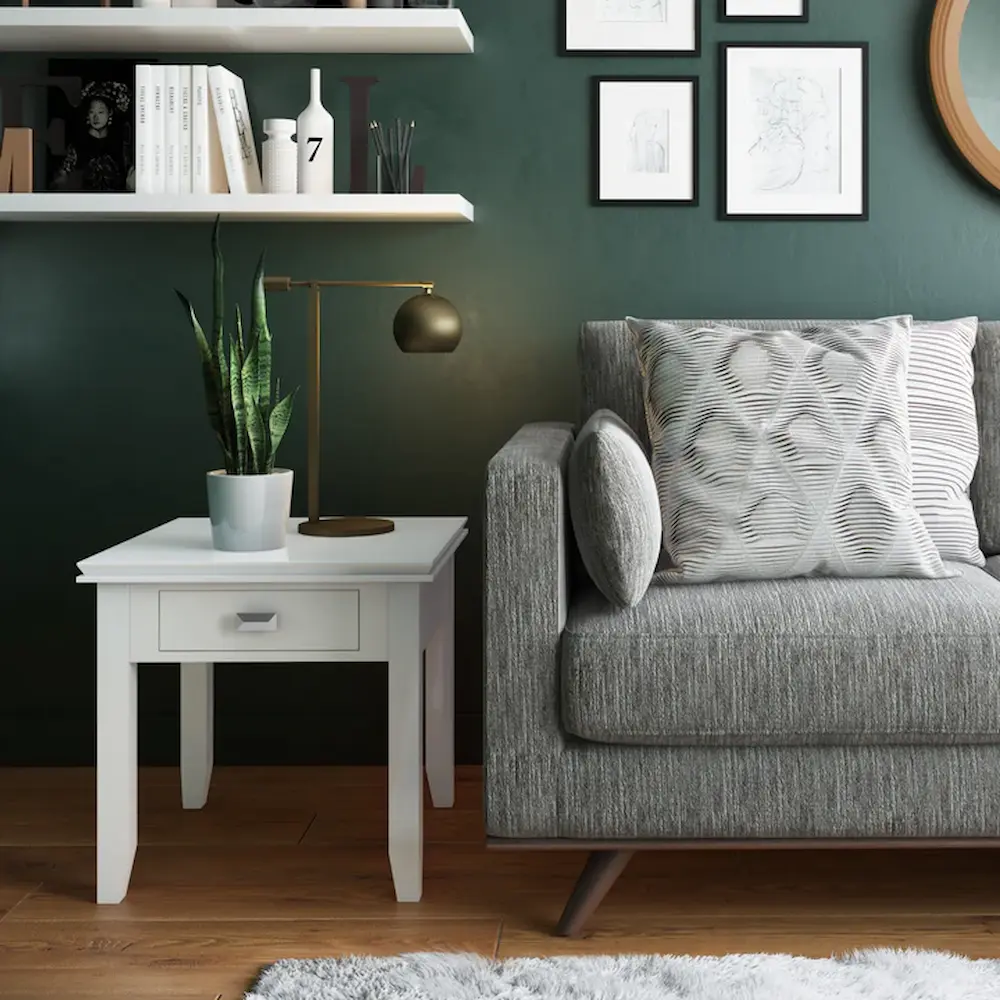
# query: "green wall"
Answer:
x=104 y=435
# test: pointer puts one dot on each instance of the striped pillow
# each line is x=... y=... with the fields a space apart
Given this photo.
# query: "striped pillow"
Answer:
x=944 y=434
x=783 y=453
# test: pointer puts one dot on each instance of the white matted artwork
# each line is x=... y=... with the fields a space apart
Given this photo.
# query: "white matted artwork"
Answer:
x=764 y=10
x=654 y=27
x=795 y=131
x=645 y=140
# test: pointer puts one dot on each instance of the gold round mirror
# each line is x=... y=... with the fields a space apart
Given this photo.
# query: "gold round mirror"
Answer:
x=965 y=76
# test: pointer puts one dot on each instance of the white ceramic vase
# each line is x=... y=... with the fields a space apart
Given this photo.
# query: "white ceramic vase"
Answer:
x=279 y=157
x=249 y=513
x=314 y=141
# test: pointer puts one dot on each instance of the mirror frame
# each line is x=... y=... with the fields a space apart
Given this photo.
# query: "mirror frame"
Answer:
x=949 y=93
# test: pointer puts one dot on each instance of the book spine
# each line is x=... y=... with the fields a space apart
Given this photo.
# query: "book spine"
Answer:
x=158 y=121
x=218 y=181
x=173 y=129
x=244 y=126
x=200 y=112
x=143 y=130
x=185 y=129
x=225 y=120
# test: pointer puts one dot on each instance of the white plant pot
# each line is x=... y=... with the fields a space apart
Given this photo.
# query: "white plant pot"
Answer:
x=249 y=513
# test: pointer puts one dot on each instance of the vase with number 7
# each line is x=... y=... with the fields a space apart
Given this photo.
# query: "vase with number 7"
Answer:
x=314 y=136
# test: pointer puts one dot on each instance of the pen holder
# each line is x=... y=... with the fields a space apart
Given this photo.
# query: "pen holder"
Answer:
x=392 y=175
x=393 y=144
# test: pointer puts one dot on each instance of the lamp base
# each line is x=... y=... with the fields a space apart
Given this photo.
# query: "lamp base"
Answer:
x=346 y=527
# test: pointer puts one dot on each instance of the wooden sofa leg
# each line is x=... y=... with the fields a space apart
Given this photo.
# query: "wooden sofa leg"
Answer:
x=598 y=876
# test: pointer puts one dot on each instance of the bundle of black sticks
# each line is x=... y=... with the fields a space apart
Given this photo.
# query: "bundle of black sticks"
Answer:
x=392 y=146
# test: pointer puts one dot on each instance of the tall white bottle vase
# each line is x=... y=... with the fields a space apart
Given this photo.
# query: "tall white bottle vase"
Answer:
x=314 y=137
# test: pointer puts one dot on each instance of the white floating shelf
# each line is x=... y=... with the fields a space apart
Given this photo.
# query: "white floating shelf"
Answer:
x=50 y=207
x=232 y=29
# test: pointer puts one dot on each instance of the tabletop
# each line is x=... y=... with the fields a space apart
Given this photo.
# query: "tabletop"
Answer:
x=181 y=552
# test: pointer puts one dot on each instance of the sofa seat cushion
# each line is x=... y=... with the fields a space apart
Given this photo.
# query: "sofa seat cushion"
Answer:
x=788 y=662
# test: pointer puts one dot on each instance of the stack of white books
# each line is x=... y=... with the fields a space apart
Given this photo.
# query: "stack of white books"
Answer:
x=193 y=133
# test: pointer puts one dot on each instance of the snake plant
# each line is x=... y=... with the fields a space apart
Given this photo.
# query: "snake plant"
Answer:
x=248 y=419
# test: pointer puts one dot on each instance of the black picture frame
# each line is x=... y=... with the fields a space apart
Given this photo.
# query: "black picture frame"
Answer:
x=562 y=29
x=724 y=214
x=102 y=164
x=802 y=18
x=595 y=153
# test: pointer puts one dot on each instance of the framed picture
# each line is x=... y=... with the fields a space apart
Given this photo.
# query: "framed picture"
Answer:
x=794 y=131
x=645 y=137
x=96 y=152
x=766 y=11
x=638 y=27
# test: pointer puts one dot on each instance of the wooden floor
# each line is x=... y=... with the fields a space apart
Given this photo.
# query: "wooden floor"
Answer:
x=290 y=862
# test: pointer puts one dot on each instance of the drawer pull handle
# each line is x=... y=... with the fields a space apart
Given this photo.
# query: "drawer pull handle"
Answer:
x=257 y=621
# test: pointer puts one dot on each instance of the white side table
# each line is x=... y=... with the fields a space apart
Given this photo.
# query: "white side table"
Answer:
x=167 y=596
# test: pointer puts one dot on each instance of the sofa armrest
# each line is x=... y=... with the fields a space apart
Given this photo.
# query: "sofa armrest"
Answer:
x=526 y=594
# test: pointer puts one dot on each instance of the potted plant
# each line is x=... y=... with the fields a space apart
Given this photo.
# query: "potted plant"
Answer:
x=249 y=501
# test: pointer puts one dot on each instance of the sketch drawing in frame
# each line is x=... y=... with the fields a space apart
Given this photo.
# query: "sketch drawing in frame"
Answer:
x=794 y=131
x=645 y=140
x=636 y=27
x=764 y=11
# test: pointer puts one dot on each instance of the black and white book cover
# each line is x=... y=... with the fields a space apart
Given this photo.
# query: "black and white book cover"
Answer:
x=91 y=144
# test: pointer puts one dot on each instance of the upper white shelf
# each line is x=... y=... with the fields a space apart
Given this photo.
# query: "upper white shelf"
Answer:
x=49 y=207
x=233 y=29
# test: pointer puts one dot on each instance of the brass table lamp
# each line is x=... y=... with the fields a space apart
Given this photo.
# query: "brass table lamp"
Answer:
x=424 y=324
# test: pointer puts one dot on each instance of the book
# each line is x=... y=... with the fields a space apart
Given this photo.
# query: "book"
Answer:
x=200 y=115
x=184 y=164
x=208 y=171
x=143 y=130
x=232 y=116
x=173 y=128
x=158 y=122
x=217 y=180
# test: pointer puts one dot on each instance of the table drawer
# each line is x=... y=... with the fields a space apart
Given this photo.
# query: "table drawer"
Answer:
x=280 y=621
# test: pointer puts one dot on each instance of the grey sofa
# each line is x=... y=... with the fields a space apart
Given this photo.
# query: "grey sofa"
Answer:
x=837 y=712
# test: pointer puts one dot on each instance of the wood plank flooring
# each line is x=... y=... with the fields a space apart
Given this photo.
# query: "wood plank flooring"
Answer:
x=290 y=862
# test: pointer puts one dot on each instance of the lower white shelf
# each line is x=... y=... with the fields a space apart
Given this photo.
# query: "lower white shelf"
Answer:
x=52 y=207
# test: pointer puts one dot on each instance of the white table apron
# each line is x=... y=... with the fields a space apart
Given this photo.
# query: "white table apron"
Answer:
x=409 y=625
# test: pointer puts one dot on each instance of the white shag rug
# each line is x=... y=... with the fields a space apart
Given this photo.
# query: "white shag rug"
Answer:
x=881 y=974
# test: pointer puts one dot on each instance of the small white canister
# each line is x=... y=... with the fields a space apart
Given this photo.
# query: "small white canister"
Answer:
x=280 y=156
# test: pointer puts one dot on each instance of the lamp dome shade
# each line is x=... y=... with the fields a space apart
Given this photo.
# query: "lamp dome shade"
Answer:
x=427 y=324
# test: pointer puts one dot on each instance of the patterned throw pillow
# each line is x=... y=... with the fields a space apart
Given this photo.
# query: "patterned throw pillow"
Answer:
x=783 y=453
x=614 y=508
x=944 y=434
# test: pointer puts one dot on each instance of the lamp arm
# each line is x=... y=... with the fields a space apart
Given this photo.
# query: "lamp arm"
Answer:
x=274 y=283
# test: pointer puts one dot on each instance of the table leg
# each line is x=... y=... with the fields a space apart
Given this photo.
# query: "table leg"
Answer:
x=440 y=694
x=406 y=765
x=117 y=745
x=197 y=732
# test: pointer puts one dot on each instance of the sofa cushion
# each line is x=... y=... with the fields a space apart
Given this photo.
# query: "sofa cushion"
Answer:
x=615 y=508
x=784 y=453
x=788 y=662
x=944 y=434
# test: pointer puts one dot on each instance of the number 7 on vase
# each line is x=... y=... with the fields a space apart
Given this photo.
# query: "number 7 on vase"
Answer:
x=314 y=137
